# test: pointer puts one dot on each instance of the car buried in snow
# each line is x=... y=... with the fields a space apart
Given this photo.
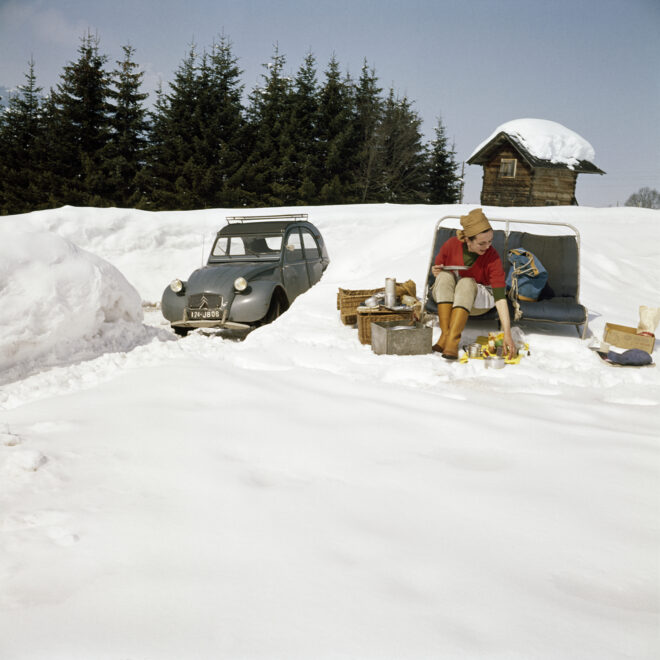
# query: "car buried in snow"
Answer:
x=258 y=265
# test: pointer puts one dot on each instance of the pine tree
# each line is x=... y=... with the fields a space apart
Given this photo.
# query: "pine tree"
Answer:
x=197 y=138
x=150 y=179
x=444 y=183
x=81 y=127
x=222 y=128
x=269 y=170
x=49 y=180
x=337 y=136
x=403 y=172
x=368 y=116
x=20 y=127
x=123 y=156
x=168 y=177
x=303 y=129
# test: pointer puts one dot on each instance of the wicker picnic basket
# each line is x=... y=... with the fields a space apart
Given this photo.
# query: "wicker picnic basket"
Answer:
x=365 y=317
x=348 y=300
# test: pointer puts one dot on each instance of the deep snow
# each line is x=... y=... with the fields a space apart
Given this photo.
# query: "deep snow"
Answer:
x=295 y=495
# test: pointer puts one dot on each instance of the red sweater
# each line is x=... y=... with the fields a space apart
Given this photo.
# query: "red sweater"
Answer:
x=486 y=270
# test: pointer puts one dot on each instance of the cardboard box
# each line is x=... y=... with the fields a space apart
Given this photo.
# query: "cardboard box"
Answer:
x=625 y=337
x=400 y=338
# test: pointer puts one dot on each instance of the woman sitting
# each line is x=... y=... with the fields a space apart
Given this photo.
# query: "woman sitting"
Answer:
x=475 y=290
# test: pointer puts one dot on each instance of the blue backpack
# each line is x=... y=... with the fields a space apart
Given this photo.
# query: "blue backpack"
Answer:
x=526 y=277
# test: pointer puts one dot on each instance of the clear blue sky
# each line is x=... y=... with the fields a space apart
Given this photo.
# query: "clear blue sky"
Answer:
x=592 y=65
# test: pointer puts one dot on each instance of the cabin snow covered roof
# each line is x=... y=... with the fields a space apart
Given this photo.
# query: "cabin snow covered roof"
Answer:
x=542 y=143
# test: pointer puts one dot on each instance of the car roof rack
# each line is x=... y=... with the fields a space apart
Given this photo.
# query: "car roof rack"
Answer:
x=247 y=218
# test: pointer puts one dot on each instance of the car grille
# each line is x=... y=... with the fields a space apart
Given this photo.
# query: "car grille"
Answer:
x=204 y=301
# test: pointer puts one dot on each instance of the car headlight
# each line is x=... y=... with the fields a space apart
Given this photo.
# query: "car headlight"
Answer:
x=176 y=286
x=240 y=284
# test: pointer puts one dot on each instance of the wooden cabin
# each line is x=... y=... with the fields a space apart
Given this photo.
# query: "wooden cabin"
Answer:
x=515 y=177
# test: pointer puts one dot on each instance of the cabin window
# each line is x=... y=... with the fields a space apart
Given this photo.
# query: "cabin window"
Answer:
x=508 y=168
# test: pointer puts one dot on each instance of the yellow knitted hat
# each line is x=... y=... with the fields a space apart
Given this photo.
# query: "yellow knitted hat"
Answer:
x=473 y=223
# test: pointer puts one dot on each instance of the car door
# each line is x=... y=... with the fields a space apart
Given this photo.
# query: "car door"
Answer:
x=312 y=256
x=294 y=268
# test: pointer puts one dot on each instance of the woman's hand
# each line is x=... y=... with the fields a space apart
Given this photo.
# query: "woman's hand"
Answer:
x=435 y=270
x=509 y=346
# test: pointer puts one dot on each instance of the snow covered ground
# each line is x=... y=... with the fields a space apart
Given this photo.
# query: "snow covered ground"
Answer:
x=295 y=495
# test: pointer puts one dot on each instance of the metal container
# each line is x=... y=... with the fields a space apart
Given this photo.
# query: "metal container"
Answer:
x=390 y=292
x=474 y=350
x=400 y=338
x=494 y=362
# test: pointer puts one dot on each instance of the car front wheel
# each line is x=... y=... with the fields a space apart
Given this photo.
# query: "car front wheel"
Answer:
x=277 y=306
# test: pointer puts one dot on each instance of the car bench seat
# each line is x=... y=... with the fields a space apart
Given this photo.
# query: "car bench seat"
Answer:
x=559 y=300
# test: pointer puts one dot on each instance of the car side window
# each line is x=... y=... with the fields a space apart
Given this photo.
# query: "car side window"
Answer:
x=311 y=246
x=293 y=251
x=274 y=243
x=236 y=246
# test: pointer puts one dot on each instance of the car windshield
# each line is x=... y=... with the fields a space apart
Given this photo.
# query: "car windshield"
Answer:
x=250 y=246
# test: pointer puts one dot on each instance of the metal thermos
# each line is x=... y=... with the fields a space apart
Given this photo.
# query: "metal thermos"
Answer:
x=390 y=292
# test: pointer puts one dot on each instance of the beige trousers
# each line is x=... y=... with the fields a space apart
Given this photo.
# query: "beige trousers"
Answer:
x=461 y=293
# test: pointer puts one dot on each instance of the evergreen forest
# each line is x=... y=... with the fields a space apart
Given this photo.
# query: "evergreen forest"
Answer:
x=305 y=140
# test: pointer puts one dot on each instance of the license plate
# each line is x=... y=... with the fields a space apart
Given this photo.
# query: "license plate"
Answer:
x=204 y=314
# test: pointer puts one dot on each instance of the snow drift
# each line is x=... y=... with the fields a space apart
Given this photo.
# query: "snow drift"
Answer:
x=61 y=304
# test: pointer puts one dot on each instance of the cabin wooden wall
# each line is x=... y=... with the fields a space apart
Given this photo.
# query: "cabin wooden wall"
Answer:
x=530 y=187
x=553 y=187
x=498 y=191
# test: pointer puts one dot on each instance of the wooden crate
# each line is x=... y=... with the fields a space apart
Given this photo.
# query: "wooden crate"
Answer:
x=365 y=317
